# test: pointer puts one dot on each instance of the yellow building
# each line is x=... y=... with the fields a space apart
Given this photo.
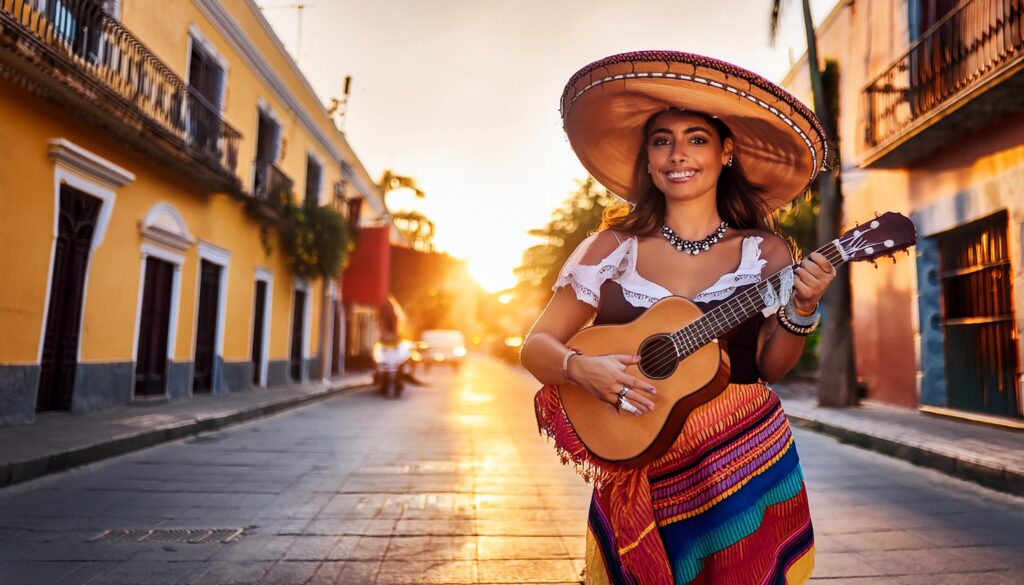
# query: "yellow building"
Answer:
x=931 y=124
x=141 y=152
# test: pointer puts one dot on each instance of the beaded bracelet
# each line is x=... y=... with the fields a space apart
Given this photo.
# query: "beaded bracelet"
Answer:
x=565 y=364
x=788 y=325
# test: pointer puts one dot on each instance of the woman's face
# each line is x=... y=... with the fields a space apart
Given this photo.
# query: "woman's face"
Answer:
x=686 y=155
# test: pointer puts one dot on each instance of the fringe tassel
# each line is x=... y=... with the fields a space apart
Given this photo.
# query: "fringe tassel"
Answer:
x=627 y=492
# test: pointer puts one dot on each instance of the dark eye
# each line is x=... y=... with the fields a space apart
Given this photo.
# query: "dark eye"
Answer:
x=699 y=140
x=660 y=141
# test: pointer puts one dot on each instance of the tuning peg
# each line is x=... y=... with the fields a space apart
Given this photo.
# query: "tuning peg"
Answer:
x=893 y=258
x=877 y=215
x=875 y=264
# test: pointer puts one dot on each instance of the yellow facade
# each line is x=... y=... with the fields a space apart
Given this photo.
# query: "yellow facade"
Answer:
x=46 y=136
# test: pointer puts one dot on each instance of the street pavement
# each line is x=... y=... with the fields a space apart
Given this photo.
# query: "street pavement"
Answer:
x=449 y=484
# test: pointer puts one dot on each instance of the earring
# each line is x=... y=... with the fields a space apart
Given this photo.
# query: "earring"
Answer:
x=729 y=164
x=648 y=169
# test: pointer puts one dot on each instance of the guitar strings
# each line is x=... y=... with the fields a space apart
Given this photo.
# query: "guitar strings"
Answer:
x=696 y=334
x=692 y=343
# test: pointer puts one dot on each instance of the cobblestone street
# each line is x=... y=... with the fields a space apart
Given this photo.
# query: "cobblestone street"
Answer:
x=449 y=484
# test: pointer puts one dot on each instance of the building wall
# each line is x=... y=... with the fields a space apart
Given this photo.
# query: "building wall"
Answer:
x=978 y=174
x=112 y=297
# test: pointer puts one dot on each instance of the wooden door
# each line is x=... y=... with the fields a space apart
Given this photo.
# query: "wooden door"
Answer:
x=298 y=332
x=206 y=327
x=336 y=338
x=151 y=354
x=259 y=315
x=76 y=223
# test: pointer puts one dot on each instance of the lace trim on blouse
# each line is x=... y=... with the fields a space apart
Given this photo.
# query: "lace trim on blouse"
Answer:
x=620 y=266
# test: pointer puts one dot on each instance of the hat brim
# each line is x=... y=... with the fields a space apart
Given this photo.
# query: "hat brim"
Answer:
x=779 y=141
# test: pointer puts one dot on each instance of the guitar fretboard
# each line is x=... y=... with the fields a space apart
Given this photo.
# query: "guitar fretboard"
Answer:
x=728 y=315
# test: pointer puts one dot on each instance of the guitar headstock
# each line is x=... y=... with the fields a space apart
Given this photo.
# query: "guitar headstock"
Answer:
x=882 y=236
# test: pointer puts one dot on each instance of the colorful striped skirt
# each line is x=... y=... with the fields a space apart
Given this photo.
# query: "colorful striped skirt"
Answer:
x=726 y=505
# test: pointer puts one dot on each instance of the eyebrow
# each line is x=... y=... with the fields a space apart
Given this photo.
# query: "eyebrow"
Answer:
x=689 y=130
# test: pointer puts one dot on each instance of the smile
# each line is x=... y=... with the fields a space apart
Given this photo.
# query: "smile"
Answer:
x=679 y=176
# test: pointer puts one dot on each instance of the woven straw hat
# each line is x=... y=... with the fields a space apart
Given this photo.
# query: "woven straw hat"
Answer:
x=778 y=140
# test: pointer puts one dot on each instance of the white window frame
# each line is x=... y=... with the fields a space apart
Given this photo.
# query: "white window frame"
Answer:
x=221 y=257
x=300 y=284
x=265 y=276
x=92 y=175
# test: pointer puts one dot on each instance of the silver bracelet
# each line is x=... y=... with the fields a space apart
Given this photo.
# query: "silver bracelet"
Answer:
x=565 y=364
x=801 y=320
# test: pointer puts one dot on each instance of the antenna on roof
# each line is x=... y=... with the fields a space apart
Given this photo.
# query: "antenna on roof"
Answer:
x=299 y=7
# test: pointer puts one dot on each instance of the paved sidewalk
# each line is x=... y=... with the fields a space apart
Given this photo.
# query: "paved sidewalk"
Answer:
x=990 y=456
x=57 y=441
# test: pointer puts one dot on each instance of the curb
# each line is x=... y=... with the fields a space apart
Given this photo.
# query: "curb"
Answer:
x=14 y=472
x=997 y=478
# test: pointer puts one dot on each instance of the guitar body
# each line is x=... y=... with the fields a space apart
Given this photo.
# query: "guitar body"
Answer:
x=620 y=437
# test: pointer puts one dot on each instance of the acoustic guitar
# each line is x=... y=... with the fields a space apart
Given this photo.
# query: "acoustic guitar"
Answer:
x=688 y=365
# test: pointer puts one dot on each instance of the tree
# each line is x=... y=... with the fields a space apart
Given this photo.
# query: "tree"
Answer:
x=837 y=377
x=417 y=229
x=570 y=224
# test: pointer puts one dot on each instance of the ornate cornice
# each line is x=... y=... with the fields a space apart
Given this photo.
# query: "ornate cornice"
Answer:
x=92 y=165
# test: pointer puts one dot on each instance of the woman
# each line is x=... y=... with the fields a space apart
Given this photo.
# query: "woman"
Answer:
x=703 y=152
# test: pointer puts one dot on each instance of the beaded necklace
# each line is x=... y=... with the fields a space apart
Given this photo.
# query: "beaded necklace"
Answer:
x=693 y=247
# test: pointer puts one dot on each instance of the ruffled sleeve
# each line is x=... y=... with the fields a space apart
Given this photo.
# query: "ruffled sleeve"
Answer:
x=598 y=258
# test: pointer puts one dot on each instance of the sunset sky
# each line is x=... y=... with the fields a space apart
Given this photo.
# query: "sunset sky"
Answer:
x=463 y=94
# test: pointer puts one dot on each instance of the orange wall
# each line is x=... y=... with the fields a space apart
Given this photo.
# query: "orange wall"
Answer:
x=884 y=299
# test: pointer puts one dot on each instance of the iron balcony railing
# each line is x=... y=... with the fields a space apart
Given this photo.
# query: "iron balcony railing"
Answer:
x=969 y=45
x=270 y=184
x=93 y=42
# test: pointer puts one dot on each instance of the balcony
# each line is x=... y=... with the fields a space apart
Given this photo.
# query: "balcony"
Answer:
x=965 y=73
x=70 y=52
x=271 y=186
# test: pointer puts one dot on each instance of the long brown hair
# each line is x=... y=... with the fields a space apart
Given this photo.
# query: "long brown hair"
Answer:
x=739 y=201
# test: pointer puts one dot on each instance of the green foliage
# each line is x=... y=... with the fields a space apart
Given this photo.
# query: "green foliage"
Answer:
x=798 y=222
x=316 y=239
x=578 y=216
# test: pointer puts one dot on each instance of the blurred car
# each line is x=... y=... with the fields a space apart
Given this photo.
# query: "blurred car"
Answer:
x=442 y=346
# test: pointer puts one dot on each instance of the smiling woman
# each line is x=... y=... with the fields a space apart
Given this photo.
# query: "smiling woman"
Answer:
x=700 y=151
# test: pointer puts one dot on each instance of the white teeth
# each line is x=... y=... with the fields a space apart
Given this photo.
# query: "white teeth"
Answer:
x=681 y=174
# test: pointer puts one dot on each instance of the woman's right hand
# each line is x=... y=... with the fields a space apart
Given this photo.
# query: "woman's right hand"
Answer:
x=605 y=375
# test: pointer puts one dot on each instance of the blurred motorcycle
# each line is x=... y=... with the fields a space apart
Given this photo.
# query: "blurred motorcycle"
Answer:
x=391 y=359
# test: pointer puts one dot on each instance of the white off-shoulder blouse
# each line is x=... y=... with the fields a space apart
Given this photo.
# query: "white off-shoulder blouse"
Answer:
x=620 y=266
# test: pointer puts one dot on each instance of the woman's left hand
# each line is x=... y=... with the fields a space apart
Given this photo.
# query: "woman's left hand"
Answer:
x=813 y=276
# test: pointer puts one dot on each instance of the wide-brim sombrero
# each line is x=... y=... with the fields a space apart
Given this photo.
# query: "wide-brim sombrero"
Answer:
x=779 y=141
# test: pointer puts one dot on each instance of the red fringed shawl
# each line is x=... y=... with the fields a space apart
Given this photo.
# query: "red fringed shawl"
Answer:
x=632 y=513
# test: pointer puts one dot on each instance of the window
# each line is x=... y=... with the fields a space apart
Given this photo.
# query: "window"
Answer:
x=978 y=317
x=205 y=75
x=314 y=173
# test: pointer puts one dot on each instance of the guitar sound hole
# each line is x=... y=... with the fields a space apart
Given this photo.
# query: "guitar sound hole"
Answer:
x=658 y=357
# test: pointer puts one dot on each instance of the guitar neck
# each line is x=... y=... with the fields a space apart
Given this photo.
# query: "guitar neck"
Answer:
x=745 y=304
